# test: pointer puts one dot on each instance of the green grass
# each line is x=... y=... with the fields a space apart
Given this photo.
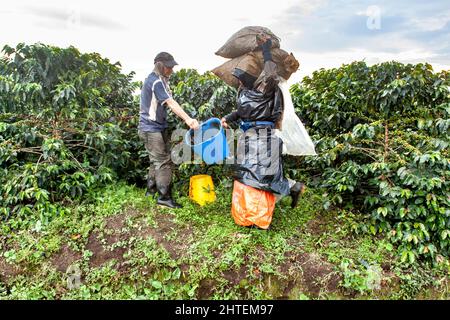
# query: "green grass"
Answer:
x=200 y=253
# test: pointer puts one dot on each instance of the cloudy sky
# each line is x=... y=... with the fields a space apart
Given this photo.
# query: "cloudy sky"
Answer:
x=320 y=33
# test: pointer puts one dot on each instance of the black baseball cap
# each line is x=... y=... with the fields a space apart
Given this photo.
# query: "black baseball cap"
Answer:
x=166 y=58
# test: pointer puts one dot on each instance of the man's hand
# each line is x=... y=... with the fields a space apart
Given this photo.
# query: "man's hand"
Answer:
x=224 y=123
x=176 y=108
x=193 y=124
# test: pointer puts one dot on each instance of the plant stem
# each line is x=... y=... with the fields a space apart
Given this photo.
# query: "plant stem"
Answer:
x=386 y=141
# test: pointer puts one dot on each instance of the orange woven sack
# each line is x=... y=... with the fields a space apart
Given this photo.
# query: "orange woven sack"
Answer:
x=252 y=206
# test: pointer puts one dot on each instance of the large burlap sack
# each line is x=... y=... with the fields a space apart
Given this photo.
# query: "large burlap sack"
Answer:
x=286 y=63
x=244 y=41
x=248 y=62
x=253 y=63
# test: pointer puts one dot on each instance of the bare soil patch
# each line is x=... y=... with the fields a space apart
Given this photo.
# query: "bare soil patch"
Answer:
x=8 y=270
x=164 y=226
x=64 y=258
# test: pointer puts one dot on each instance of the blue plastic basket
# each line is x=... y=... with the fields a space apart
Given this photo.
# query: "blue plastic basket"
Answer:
x=209 y=141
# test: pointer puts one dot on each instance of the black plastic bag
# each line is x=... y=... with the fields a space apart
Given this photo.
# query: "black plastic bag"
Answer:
x=257 y=106
x=259 y=162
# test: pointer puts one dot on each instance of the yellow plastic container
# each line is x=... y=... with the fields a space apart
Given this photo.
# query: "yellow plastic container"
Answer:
x=201 y=189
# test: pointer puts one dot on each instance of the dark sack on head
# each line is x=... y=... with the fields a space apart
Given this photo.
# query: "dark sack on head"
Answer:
x=248 y=63
x=286 y=63
x=244 y=41
x=253 y=63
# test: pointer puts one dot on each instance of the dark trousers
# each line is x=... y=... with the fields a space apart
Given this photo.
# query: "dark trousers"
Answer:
x=158 y=148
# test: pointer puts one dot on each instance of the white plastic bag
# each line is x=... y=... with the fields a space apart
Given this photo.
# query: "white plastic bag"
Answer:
x=296 y=140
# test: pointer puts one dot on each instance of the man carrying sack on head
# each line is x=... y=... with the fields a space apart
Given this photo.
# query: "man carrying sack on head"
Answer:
x=153 y=127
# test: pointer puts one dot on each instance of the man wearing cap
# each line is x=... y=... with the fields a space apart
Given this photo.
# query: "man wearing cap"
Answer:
x=155 y=98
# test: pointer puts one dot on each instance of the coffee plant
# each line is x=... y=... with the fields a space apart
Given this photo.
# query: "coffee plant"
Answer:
x=68 y=124
x=63 y=126
x=382 y=137
x=203 y=96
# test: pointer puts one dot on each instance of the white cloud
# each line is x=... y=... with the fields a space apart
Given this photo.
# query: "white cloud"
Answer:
x=432 y=23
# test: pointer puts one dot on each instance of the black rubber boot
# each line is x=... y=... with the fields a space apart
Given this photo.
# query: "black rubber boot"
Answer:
x=296 y=190
x=165 y=198
x=151 y=187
